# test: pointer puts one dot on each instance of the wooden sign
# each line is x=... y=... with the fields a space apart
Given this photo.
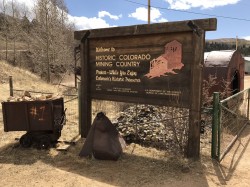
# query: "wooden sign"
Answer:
x=153 y=64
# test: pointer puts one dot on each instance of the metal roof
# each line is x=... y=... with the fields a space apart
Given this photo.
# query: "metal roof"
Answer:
x=247 y=58
x=218 y=58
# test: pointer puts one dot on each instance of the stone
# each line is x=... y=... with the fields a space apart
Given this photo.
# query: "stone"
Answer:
x=150 y=124
x=26 y=93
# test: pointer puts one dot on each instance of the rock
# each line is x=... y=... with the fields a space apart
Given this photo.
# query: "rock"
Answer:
x=49 y=96
x=26 y=98
x=11 y=99
x=19 y=99
x=26 y=94
x=145 y=126
x=148 y=138
x=154 y=138
x=151 y=129
x=120 y=118
x=40 y=97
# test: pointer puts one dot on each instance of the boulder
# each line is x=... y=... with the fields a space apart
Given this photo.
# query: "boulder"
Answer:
x=103 y=140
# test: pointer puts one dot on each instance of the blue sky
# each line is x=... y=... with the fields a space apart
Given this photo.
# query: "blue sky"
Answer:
x=90 y=14
x=106 y=13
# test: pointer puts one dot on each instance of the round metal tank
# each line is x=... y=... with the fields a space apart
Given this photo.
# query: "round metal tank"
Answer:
x=227 y=66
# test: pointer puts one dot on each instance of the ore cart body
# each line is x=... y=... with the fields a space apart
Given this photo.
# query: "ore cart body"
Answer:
x=43 y=120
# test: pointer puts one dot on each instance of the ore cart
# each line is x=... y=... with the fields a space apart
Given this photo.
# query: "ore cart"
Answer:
x=43 y=121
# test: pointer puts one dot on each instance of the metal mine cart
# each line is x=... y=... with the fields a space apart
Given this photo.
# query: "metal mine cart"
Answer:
x=43 y=120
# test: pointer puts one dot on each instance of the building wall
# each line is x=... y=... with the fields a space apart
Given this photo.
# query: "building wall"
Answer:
x=247 y=65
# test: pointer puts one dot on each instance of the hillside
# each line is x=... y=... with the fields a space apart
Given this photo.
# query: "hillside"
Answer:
x=37 y=46
x=231 y=41
x=19 y=44
x=228 y=44
x=23 y=79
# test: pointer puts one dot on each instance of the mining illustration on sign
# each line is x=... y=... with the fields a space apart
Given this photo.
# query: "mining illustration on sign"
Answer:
x=168 y=62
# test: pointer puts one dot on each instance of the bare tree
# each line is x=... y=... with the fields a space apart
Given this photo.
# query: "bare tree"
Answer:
x=5 y=27
x=51 y=35
x=14 y=26
x=25 y=25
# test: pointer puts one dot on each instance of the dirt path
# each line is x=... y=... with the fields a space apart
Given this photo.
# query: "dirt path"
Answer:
x=137 y=167
x=234 y=170
x=247 y=82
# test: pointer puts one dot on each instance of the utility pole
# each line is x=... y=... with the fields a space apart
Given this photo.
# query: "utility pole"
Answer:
x=149 y=7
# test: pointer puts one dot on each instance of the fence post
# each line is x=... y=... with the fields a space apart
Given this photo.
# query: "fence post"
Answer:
x=79 y=107
x=215 y=125
x=11 y=86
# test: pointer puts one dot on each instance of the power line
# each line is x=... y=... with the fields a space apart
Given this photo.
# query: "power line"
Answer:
x=191 y=12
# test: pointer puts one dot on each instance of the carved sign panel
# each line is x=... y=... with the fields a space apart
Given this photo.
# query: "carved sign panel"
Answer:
x=154 y=69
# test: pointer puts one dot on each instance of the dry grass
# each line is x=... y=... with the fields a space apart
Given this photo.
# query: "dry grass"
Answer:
x=23 y=79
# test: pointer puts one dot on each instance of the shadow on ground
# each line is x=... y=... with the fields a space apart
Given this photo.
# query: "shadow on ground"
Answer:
x=229 y=164
x=132 y=169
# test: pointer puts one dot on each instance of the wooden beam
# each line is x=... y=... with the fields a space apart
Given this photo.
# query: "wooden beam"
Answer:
x=85 y=88
x=209 y=24
x=193 y=147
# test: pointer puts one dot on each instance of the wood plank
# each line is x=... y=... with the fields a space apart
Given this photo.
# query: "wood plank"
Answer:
x=63 y=147
x=209 y=24
x=73 y=141
x=139 y=40
x=138 y=44
x=85 y=89
x=193 y=147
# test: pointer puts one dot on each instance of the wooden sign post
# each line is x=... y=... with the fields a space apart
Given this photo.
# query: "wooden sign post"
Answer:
x=157 y=64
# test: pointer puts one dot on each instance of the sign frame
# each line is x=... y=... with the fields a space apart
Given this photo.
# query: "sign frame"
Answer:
x=195 y=27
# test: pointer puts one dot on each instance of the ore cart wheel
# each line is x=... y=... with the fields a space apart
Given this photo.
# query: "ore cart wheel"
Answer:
x=44 y=142
x=26 y=141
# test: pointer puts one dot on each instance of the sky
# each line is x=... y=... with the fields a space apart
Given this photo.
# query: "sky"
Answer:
x=233 y=18
x=107 y=13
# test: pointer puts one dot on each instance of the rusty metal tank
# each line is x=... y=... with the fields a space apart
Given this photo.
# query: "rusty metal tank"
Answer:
x=227 y=66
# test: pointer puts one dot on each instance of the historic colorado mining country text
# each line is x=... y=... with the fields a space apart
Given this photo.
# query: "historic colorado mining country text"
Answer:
x=116 y=73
